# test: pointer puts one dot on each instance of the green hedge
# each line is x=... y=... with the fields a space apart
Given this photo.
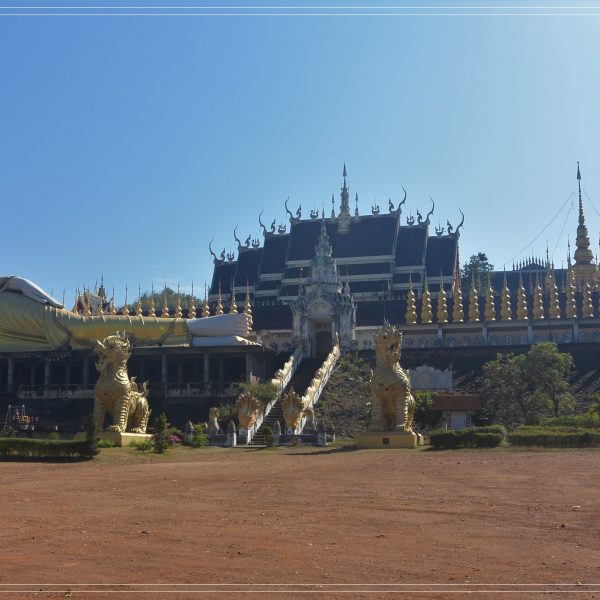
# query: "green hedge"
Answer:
x=585 y=421
x=473 y=437
x=43 y=449
x=555 y=437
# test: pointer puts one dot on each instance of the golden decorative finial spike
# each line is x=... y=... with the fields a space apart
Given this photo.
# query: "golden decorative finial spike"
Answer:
x=554 y=307
x=505 y=307
x=538 y=300
x=192 y=305
x=178 y=308
x=522 y=313
x=232 y=305
x=490 y=307
x=587 y=307
x=138 y=304
x=165 y=314
x=411 y=307
x=152 y=308
x=125 y=310
x=442 y=307
x=248 y=306
x=426 y=313
x=473 y=301
x=571 y=305
x=219 y=309
x=457 y=308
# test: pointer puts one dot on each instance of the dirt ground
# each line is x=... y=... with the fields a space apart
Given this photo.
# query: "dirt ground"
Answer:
x=325 y=523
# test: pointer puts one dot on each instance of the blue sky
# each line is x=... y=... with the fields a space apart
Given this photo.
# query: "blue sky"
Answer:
x=127 y=143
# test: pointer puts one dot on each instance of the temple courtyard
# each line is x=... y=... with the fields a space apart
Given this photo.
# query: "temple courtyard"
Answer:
x=433 y=524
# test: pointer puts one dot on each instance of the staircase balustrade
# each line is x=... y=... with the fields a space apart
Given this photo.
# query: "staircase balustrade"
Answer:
x=319 y=381
x=280 y=380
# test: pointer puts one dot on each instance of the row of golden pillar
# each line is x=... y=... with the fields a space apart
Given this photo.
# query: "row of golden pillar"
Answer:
x=506 y=311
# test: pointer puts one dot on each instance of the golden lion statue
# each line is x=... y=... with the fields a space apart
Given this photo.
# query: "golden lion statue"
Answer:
x=115 y=393
x=213 y=420
x=393 y=405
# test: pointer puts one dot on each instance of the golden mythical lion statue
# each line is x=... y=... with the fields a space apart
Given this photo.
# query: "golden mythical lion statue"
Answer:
x=393 y=406
x=115 y=393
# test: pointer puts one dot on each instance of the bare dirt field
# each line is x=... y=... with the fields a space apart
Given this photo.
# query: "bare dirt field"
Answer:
x=344 y=520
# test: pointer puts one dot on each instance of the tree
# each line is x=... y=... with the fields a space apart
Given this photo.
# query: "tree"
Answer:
x=526 y=387
x=161 y=438
x=547 y=371
x=477 y=266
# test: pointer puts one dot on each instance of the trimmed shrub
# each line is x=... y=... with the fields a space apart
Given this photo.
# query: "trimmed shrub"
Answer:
x=269 y=437
x=473 y=437
x=161 y=434
x=555 y=437
x=31 y=448
x=587 y=421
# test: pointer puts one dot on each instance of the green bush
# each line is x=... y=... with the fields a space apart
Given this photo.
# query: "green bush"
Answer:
x=424 y=415
x=473 y=437
x=555 y=437
x=143 y=445
x=89 y=426
x=161 y=434
x=589 y=420
x=106 y=444
x=43 y=449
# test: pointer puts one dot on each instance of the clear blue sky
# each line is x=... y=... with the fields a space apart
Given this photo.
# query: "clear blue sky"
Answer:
x=126 y=144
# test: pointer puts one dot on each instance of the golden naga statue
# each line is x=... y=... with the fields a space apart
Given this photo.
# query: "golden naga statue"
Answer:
x=393 y=406
x=31 y=320
x=293 y=409
x=248 y=408
x=115 y=392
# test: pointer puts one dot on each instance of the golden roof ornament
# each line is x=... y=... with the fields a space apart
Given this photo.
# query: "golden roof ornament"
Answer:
x=522 y=314
x=125 y=310
x=152 y=308
x=232 y=305
x=571 y=304
x=473 y=301
x=457 y=309
x=426 y=312
x=505 y=307
x=554 y=308
x=75 y=308
x=490 y=307
x=248 y=306
x=138 y=304
x=538 y=300
x=411 y=307
x=587 y=307
x=219 y=309
x=442 y=307
x=178 y=309
x=100 y=308
x=191 y=305
x=165 y=314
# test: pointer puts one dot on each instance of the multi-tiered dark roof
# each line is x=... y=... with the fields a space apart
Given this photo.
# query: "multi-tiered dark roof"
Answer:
x=375 y=254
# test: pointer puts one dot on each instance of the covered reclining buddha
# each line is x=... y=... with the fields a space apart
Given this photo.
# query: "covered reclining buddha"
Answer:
x=31 y=320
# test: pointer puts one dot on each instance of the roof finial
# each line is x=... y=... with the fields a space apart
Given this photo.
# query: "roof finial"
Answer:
x=192 y=305
x=411 y=309
x=152 y=309
x=332 y=206
x=205 y=305
x=165 y=309
x=356 y=205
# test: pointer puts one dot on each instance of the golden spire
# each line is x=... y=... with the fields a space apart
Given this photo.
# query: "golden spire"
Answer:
x=232 y=305
x=554 y=308
x=490 y=307
x=538 y=300
x=442 y=307
x=191 y=305
x=125 y=310
x=219 y=310
x=411 y=309
x=75 y=308
x=505 y=307
x=165 y=314
x=426 y=313
x=100 y=309
x=521 y=301
x=457 y=310
x=248 y=306
x=584 y=269
x=587 y=307
x=178 y=310
x=205 y=305
x=152 y=309
x=473 y=301
x=571 y=305
x=138 y=304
